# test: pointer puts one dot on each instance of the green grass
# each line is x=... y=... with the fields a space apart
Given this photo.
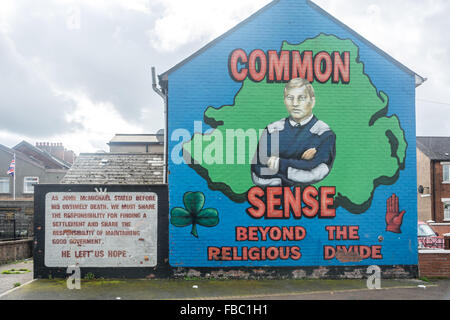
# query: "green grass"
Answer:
x=14 y=271
x=89 y=276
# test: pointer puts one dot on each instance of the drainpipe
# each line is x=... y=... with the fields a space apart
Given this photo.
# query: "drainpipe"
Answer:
x=432 y=190
x=164 y=96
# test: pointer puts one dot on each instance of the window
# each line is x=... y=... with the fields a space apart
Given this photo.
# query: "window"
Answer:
x=28 y=184
x=446 y=173
x=4 y=185
x=447 y=211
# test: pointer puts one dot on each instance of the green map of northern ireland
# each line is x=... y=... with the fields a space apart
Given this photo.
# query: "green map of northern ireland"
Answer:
x=370 y=146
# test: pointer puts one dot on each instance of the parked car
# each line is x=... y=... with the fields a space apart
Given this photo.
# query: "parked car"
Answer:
x=427 y=238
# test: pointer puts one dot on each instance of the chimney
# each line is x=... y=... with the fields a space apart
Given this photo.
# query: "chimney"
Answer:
x=57 y=150
x=69 y=156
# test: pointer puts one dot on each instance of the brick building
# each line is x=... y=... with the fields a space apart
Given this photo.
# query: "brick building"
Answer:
x=50 y=155
x=433 y=181
x=57 y=150
x=33 y=166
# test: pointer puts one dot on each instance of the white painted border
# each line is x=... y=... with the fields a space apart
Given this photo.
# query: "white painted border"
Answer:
x=434 y=251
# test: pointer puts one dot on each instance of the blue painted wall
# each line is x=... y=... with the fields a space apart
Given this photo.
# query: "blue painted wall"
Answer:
x=205 y=81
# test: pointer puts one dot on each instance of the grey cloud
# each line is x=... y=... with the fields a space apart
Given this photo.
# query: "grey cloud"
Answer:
x=27 y=103
x=108 y=57
x=415 y=32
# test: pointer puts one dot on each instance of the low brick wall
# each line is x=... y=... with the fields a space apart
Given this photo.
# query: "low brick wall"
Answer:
x=434 y=263
x=15 y=250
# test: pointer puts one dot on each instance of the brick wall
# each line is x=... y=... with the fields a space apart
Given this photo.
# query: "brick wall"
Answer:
x=434 y=263
x=22 y=212
x=15 y=250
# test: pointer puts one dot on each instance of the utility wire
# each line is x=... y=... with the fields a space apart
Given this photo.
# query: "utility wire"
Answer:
x=435 y=102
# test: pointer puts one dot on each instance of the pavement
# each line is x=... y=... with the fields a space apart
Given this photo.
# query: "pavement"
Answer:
x=205 y=289
x=15 y=274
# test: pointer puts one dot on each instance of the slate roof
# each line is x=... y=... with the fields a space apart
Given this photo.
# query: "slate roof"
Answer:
x=55 y=162
x=116 y=168
x=21 y=156
x=435 y=148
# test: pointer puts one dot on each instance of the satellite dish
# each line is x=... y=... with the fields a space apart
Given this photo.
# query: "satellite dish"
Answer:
x=160 y=135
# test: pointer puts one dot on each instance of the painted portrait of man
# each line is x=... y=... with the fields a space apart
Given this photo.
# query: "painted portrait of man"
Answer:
x=299 y=149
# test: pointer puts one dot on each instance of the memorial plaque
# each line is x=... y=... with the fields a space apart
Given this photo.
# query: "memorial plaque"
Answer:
x=90 y=229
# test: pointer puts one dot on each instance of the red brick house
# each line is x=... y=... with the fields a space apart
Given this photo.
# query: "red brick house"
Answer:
x=433 y=181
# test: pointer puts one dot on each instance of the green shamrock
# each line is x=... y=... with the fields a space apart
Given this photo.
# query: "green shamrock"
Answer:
x=193 y=214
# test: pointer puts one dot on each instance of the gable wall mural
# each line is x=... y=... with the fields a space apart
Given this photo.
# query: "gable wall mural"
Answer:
x=291 y=143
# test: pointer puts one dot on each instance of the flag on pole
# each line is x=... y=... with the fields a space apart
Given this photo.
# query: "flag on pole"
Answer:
x=12 y=167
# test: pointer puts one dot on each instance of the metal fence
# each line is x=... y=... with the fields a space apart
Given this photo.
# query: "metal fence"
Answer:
x=15 y=225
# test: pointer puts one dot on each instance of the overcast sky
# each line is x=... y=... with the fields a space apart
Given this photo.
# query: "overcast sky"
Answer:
x=78 y=71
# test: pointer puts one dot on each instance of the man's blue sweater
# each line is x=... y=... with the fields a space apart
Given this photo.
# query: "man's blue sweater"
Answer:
x=293 y=140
